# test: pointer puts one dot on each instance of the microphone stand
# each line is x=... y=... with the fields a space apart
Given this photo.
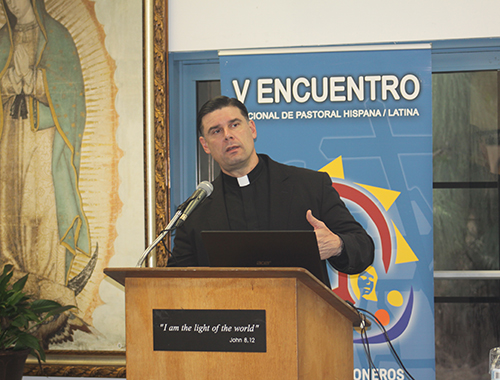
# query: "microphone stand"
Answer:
x=204 y=189
x=172 y=225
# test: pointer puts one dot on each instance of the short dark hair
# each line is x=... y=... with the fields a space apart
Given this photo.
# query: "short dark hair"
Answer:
x=215 y=104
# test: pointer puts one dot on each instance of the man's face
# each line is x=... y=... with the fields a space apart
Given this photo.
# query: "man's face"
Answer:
x=229 y=137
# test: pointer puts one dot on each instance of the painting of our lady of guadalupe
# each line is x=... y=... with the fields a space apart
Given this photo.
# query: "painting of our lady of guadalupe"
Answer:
x=58 y=157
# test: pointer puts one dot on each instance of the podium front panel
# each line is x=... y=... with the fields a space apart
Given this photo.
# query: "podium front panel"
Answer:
x=276 y=296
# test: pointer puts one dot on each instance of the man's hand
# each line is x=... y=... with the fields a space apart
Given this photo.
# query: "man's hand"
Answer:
x=329 y=244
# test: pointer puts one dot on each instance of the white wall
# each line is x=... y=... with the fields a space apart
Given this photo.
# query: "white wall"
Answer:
x=228 y=24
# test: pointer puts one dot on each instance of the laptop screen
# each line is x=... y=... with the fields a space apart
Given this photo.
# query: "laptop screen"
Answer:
x=265 y=249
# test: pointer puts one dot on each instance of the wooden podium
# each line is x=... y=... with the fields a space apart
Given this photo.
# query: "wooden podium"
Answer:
x=308 y=329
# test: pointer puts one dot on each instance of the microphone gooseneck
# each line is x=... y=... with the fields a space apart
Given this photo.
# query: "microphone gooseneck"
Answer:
x=203 y=190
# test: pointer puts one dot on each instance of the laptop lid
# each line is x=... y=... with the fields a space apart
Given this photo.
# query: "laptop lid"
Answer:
x=265 y=249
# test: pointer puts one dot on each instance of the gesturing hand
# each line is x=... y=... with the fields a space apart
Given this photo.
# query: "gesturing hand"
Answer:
x=329 y=244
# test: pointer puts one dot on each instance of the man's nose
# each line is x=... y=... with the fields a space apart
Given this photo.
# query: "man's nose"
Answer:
x=227 y=134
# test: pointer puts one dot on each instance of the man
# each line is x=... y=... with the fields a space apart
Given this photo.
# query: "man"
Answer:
x=253 y=192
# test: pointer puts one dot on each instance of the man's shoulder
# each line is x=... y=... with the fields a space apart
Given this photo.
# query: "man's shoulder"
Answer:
x=290 y=170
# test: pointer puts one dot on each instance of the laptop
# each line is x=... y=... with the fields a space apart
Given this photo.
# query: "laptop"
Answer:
x=265 y=249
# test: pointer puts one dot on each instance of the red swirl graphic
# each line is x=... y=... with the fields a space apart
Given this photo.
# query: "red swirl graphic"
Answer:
x=375 y=214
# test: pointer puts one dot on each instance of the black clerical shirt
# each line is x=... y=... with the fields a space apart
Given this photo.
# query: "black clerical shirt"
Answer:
x=247 y=199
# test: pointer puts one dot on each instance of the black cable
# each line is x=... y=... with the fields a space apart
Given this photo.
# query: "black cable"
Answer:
x=366 y=348
x=169 y=252
x=398 y=359
x=372 y=365
x=171 y=234
x=366 y=343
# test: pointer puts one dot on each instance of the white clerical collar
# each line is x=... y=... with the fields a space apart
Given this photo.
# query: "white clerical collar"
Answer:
x=243 y=181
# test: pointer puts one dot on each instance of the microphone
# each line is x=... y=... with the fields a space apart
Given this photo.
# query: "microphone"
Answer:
x=203 y=190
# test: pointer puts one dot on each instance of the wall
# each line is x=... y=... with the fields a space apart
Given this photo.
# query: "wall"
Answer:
x=228 y=24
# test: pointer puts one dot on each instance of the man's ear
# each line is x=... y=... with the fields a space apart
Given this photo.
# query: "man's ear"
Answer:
x=253 y=128
x=204 y=145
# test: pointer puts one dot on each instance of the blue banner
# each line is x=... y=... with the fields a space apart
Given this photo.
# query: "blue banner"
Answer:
x=364 y=117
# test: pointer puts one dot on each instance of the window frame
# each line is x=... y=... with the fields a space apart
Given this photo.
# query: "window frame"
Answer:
x=466 y=55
